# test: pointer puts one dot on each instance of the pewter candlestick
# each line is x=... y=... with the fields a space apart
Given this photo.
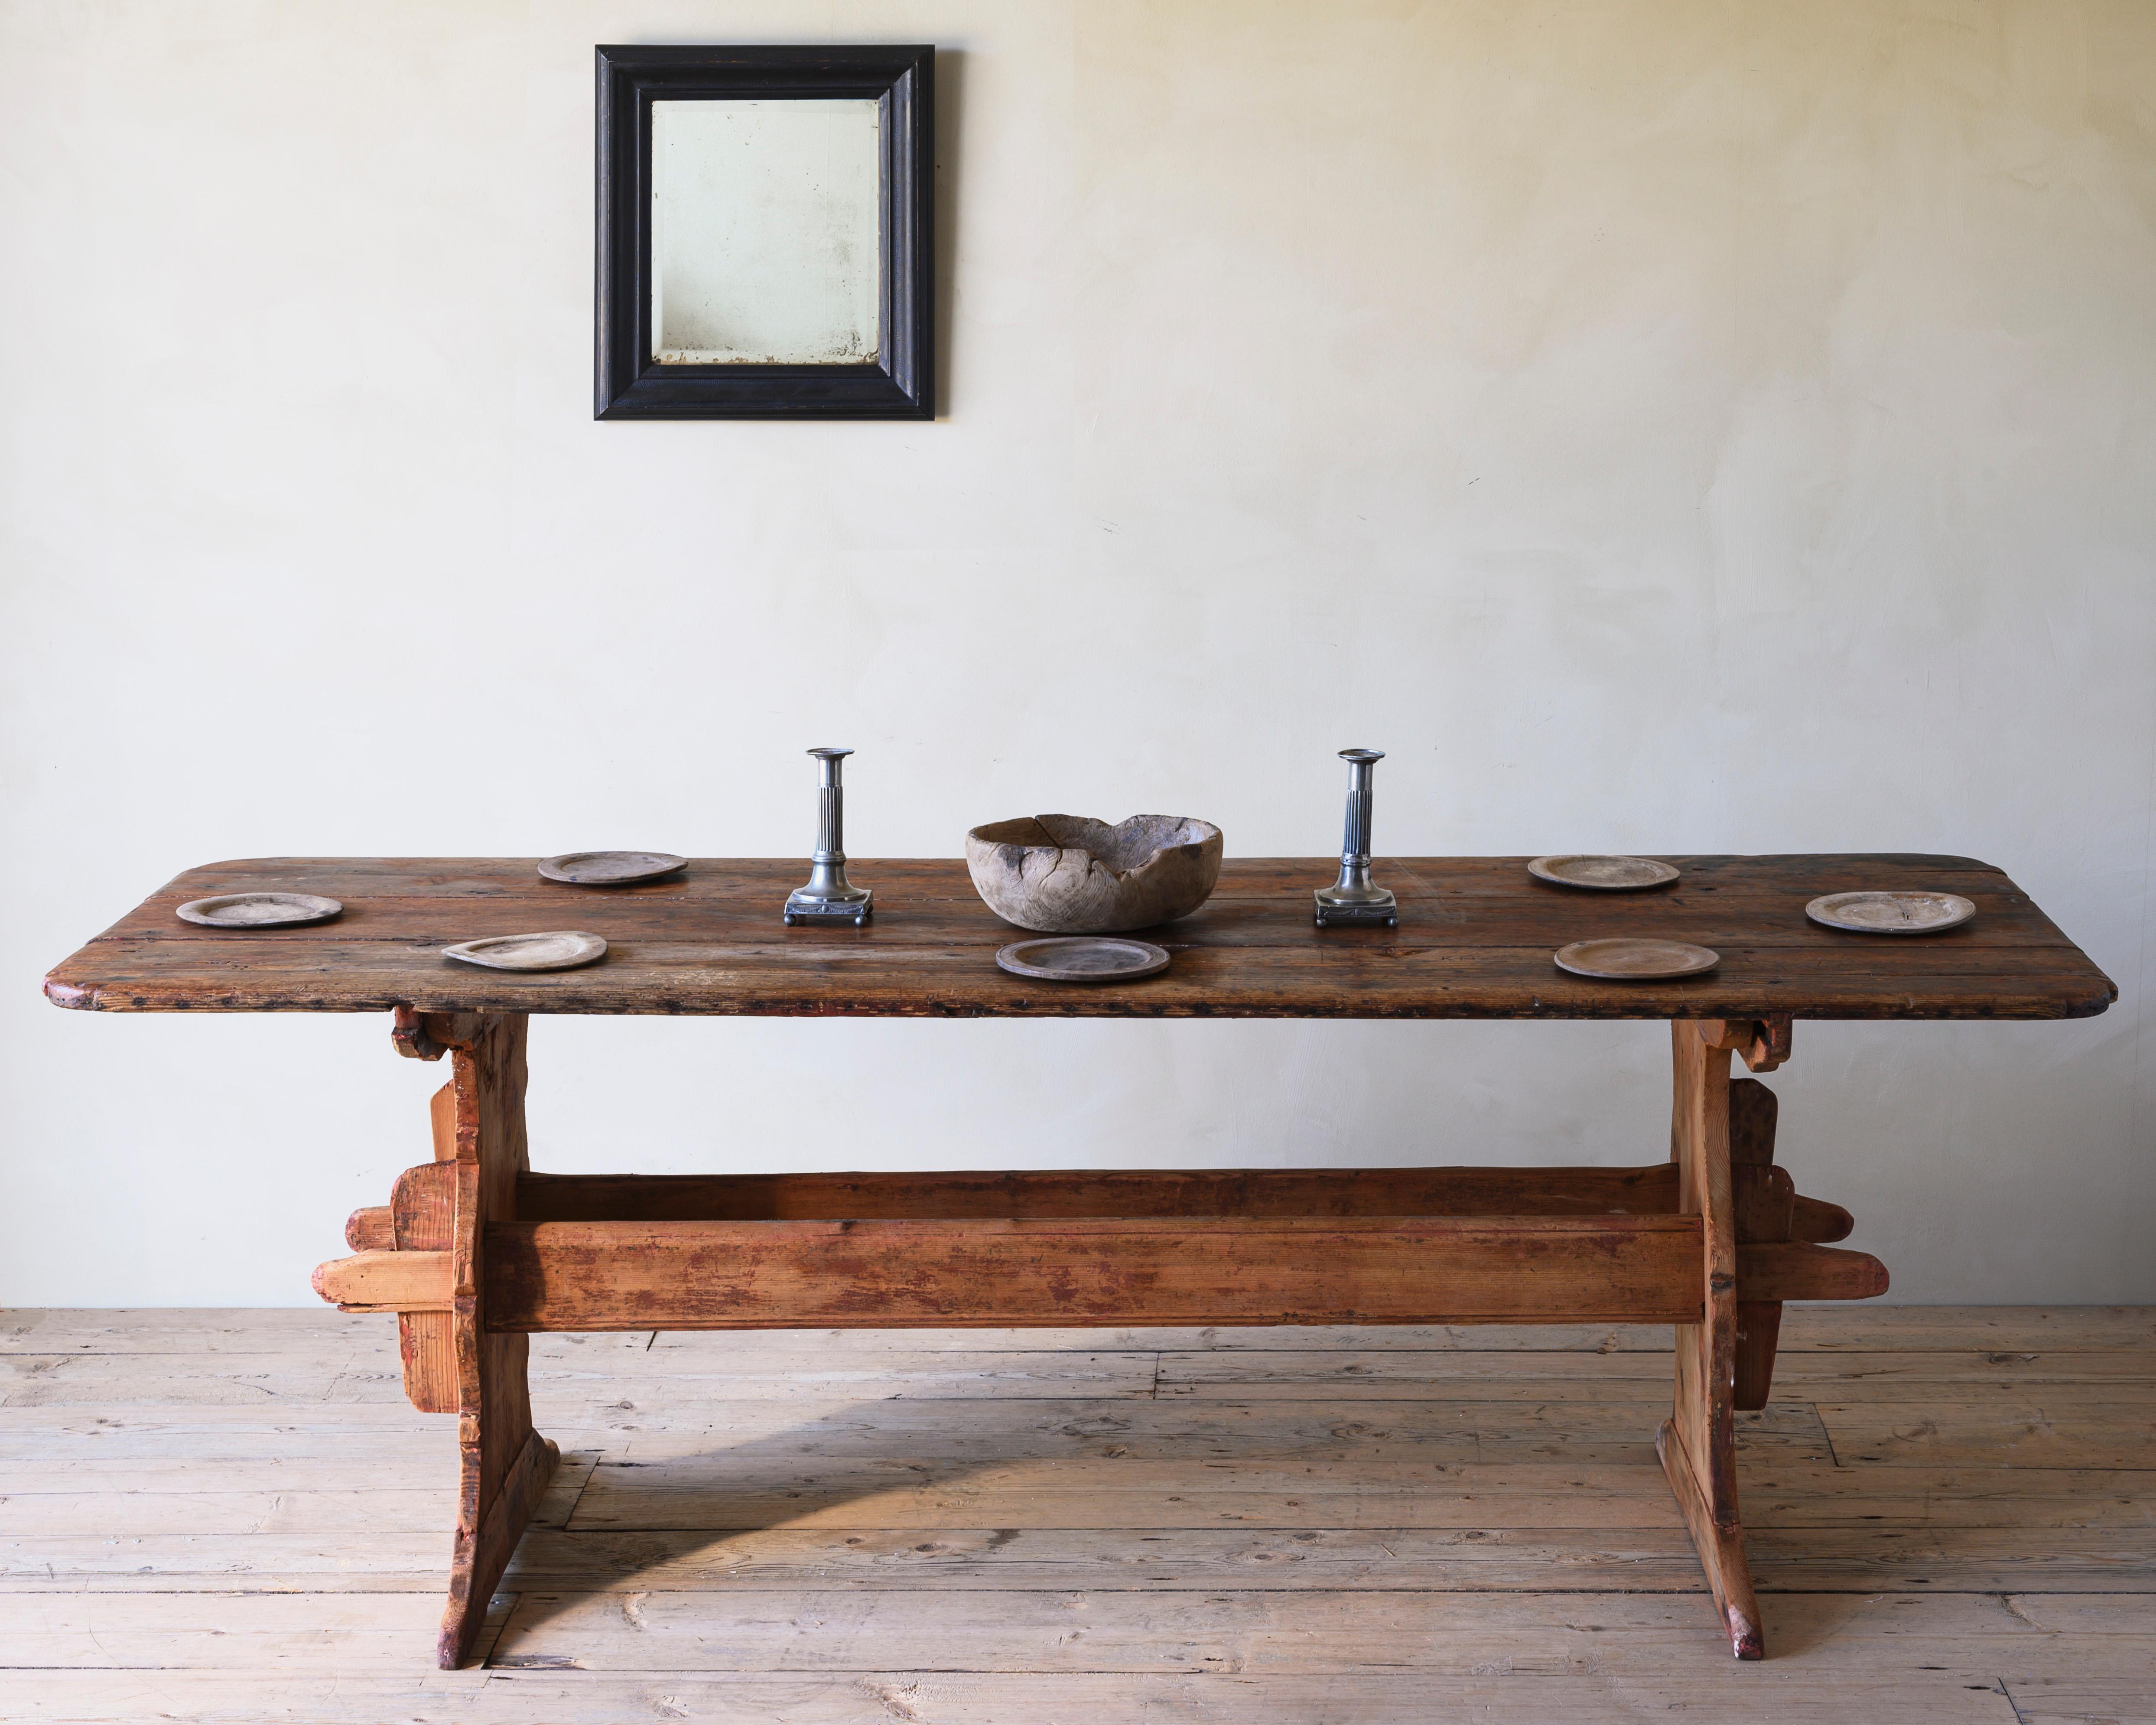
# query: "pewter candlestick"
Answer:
x=828 y=896
x=1351 y=899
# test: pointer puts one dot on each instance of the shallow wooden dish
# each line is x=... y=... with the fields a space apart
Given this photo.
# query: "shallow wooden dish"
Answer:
x=1602 y=874
x=259 y=910
x=1629 y=960
x=556 y=949
x=1070 y=874
x=1892 y=912
x=1083 y=958
x=610 y=868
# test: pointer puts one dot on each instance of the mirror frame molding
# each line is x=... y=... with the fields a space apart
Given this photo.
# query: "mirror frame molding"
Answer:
x=898 y=383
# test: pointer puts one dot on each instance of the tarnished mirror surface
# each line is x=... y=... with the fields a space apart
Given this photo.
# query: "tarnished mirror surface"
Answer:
x=765 y=232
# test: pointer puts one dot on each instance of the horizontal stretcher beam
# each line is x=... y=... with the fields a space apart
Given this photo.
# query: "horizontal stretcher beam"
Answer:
x=589 y=1275
x=1075 y=1193
x=615 y=1276
x=1119 y=1193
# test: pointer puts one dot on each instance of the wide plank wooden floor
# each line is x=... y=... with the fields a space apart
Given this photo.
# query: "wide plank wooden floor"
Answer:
x=233 y=1516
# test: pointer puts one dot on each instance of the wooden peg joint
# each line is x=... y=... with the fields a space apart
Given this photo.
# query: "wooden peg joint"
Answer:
x=429 y=1035
x=408 y=1035
x=1762 y=1044
x=371 y=1229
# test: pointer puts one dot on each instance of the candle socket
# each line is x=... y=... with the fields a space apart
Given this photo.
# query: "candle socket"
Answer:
x=1352 y=900
x=828 y=896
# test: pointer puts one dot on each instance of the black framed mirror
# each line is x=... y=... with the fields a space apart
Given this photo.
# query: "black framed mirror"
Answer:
x=764 y=243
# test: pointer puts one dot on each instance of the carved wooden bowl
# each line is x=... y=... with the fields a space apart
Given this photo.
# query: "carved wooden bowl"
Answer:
x=1068 y=874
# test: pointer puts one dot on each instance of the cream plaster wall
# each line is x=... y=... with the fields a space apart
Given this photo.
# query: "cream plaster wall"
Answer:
x=1661 y=425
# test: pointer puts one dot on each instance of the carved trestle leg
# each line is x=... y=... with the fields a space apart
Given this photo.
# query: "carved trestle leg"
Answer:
x=1766 y=1211
x=1698 y=1443
x=451 y=1363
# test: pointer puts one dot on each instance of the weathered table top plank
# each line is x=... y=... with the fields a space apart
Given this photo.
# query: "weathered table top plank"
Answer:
x=1475 y=941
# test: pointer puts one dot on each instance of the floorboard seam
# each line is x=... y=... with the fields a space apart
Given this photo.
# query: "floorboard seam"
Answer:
x=1833 y=1457
x=598 y=1456
x=482 y=1655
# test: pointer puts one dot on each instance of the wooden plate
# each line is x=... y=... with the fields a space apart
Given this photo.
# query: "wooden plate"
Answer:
x=559 y=949
x=259 y=910
x=1627 y=960
x=610 y=868
x=1892 y=912
x=1083 y=958
x=1602 y=874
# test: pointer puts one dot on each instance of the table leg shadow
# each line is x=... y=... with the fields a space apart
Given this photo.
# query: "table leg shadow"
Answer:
x=1713 y=1242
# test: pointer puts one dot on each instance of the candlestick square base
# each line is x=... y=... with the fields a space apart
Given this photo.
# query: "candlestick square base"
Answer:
x=1383 y=910
x=799 y=910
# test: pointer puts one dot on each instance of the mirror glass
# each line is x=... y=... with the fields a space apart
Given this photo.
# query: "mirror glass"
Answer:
x=765 y=243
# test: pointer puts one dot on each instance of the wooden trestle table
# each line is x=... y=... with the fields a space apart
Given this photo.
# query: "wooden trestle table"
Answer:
x=474 y=1250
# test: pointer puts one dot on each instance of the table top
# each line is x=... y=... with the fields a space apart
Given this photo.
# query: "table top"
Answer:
x=1474 y=939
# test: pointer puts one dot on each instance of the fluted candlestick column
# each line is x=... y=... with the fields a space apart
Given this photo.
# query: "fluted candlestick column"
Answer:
x=1351 y=898
x=828 y=896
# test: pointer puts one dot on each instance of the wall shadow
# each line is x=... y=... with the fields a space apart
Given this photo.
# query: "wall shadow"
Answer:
x=950 y=96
